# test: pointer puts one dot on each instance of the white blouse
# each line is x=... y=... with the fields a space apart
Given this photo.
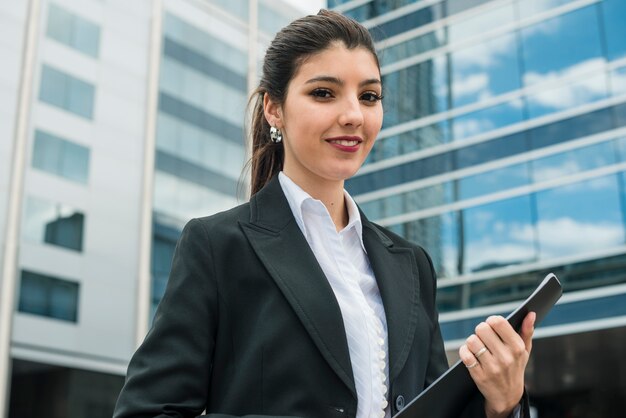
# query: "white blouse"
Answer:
x=344 y=261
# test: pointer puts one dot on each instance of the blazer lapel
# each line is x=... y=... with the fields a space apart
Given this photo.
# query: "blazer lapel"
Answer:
x=396 y=273
x=280 y=245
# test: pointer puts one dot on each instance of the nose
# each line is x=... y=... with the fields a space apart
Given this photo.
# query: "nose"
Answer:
x=351 y=113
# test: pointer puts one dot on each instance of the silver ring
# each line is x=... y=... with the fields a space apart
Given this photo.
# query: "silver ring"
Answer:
x=480 y=352
x=471 y=366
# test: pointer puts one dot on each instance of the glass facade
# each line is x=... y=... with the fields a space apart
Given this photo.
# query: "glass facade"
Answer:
x=502 y=144
x=48 y=296
x=200 y=138
x=502 y=153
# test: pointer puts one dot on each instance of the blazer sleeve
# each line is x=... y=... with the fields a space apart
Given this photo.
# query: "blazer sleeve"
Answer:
x=168 y=376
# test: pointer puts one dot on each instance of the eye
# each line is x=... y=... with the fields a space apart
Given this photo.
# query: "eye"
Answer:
x=370 y=97
x=321 y=94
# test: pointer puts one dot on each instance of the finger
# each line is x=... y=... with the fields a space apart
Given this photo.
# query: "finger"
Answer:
x=528 y=329
x=468 y=359
x=478 y=348
x=504 y=330
x=490 y=338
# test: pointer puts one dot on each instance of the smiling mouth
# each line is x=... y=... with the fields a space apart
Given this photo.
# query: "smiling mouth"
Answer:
x=345 y=142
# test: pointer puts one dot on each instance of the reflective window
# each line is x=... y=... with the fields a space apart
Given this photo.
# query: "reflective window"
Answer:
x=487 y=119
x=373 y=8
x=63 y=158
x=408 y=21
x=73 y=30
x=416 y=91
x=48 y=296
x=573 y=161
x=590 y=88
x=485 y=70
x=494 y=181
x=580 y=217
x=414 y=140
x=457 y=6
x=543 y=45
x=498 y=234
x=414 y=200
x=614 y=16
x=67 y=92
x=439 y=235
x=413 y=46
x=476 y=24
x=514 y=287
x=193 y=45
x=530 y=7
x=53 y=223
x=576 y=127
x=621 y=148
x=618 y=81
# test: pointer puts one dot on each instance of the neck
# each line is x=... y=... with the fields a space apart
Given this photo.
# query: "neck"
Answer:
x=330 y=193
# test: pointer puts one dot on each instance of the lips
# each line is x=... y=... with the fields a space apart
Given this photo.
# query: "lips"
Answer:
x=345 y=143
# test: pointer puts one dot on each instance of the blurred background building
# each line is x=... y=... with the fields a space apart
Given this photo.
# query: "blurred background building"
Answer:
x=119 y=121
x=503 y=153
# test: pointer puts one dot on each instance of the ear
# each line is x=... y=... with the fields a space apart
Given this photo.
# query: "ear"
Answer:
x=273 y=112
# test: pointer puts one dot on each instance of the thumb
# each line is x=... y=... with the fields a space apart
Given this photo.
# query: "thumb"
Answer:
x=528 y=329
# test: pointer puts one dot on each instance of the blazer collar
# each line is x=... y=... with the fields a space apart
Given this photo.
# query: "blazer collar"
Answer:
x=282 y=248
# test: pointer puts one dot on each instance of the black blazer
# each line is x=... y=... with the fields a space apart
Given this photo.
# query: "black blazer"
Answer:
x=249 y=323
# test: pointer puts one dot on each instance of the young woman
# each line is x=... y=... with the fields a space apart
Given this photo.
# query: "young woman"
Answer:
x=294 y=304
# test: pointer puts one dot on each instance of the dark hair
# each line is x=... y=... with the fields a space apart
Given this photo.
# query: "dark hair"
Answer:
x=299 y=40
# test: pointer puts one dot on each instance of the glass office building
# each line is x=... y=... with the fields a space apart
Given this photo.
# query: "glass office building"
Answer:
x=119 y=121
x=503 y=153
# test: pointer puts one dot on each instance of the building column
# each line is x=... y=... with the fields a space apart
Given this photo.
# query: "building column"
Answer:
x=14 y=208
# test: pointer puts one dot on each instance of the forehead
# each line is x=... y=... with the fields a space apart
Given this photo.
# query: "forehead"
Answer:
x=338 y=61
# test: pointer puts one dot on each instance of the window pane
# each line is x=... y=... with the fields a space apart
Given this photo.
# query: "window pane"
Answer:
x=414 y=46
x=494 y=181
x=530 y=7
x=52 y=223
x=592 y=87
x=86 y=37
x=48 y=296
x=47 y=152
x=59 y=24
x=416 y=91
x=574 y=161
x=75 y=162
x=81 y=98
x=439 y=235
x=614 y=16
x=618 y=81
x=485 y=70
x=579 y=218
x=476 y=24
x=498 y=234
x=67 y=92
x=544 y=43
x=487 y=119
x=54 y=87
x=60 y=157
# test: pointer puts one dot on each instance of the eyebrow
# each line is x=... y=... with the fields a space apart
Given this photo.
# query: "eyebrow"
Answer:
x=335 y=80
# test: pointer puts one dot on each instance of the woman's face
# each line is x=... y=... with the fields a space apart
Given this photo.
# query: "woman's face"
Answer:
x=331 y=115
